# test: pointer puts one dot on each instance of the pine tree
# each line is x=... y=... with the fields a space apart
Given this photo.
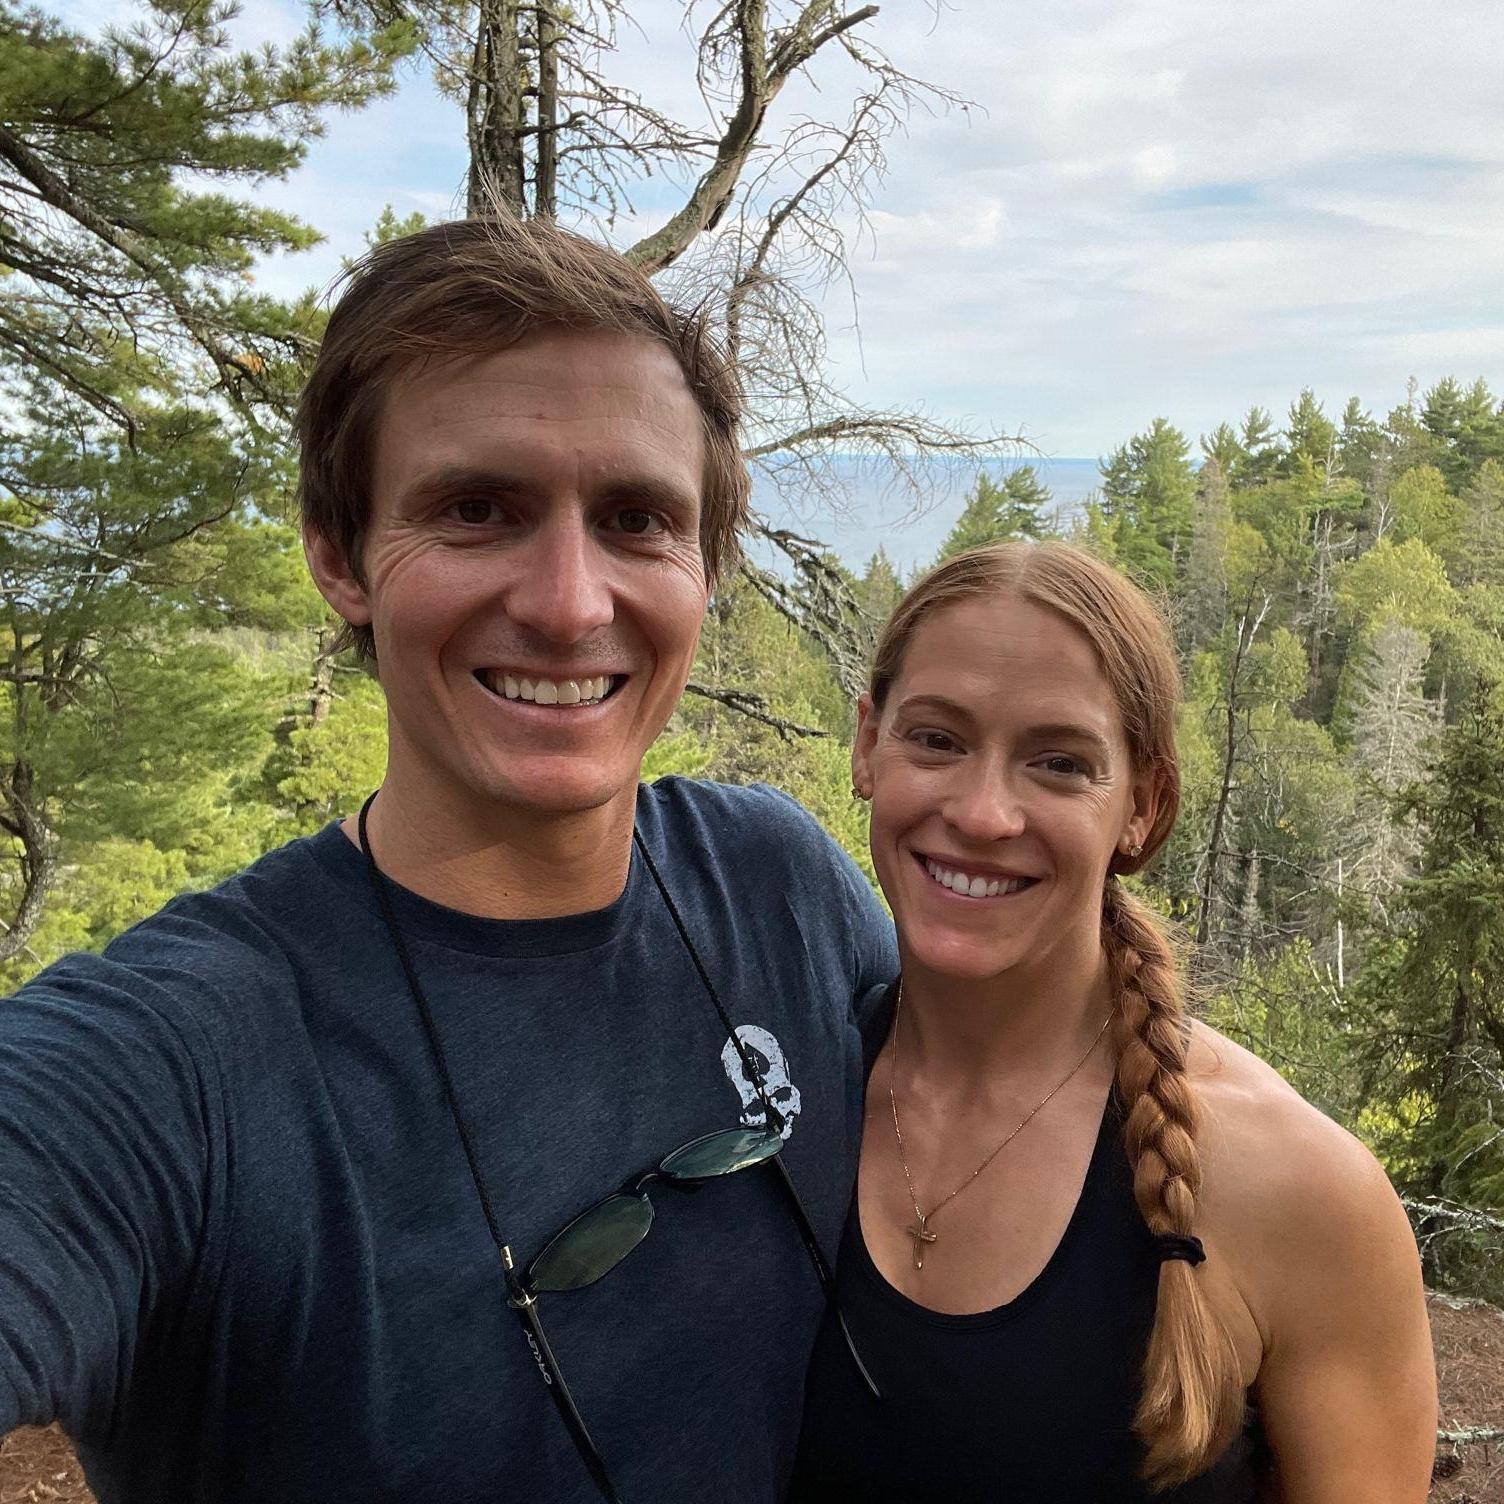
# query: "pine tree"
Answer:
x=1467 y=424
x=126 y=262
x=1311 y=438
x=1437 y=998
x=1223 y=446
x=995 y=510
x=1261 y=451
x=1148 y=496
x=880 y=588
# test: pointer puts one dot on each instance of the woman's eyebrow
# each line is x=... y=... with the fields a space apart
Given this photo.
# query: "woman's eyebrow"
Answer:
x=935 y=702
x=1070 y=731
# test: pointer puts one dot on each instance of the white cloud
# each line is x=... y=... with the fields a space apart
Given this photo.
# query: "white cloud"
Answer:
x=1165 y=206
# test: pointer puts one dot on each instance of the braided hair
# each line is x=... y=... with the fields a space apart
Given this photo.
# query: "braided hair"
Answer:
x=1192 y=1400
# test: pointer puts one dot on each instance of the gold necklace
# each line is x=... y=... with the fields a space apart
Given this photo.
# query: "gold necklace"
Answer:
x=920 y=1230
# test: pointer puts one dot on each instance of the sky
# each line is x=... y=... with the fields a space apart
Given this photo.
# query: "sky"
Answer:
x=1171 y=208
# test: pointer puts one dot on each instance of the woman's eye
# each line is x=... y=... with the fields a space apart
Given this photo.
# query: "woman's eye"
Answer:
x=638 y=521
x=933 y=741
x=1064 y=765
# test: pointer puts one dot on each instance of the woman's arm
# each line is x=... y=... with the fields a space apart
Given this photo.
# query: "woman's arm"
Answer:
x=1347 y=1388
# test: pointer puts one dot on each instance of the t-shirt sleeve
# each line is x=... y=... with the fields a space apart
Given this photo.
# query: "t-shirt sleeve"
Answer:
x=873 y=943
x=869 y=929
x=103 y=1168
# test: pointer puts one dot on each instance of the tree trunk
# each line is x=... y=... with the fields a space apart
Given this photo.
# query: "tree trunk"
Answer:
x=38 y=859
x=1246 y=635
x=495 y=110
x=545 y=187
x=321 y=685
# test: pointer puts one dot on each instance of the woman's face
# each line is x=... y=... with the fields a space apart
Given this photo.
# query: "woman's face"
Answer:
x=1001 y=786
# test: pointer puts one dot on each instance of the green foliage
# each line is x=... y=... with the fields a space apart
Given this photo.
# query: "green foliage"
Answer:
x=1148 y=496
x=1311 y=438
x=998 y=510
x=1434 y=996
x=325 y=769
x=138 y=272
x=880 y=588
x=1425 y=509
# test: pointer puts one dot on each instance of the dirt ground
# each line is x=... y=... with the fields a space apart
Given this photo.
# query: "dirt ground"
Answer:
x=38 y=1467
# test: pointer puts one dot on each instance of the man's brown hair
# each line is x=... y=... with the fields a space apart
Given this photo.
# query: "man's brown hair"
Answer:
x=474 y=287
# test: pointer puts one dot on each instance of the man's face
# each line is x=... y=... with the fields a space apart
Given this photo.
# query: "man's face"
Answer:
x=533 y=574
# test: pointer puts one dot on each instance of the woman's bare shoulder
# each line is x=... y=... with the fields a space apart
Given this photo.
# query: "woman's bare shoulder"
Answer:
x=1287 y=1192
x=1263 y=1138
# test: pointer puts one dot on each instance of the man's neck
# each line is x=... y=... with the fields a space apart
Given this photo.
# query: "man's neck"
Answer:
x=507 y=863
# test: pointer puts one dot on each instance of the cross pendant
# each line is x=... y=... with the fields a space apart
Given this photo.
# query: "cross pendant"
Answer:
x=920 y=1237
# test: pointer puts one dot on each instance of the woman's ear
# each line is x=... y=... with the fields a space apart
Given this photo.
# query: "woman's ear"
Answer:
x=863 y=746
x=337 y=582
x=1148 y=799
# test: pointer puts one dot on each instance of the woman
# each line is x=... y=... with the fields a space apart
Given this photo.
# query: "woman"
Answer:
x=1098 y=1252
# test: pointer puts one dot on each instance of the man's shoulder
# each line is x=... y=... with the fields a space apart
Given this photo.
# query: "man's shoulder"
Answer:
x=747 y=821
x=211 y=947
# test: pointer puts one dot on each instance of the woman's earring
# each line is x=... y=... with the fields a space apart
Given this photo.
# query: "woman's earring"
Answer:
x=1135 y=849
x=857 y=793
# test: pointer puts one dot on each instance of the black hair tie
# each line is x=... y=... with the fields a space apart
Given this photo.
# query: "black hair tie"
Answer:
x=1174 y=1245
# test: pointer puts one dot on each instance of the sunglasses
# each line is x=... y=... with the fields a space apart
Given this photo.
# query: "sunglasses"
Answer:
x=591 y=1245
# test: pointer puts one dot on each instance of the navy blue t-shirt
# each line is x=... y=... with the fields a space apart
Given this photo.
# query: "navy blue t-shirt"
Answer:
x=241 y=1255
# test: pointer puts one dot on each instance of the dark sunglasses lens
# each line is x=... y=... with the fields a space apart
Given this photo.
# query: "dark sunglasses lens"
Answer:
x=593 y=1244
x=721 y=1153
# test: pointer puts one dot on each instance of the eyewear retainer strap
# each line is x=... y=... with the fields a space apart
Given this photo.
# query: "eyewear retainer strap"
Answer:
x=526 y=1308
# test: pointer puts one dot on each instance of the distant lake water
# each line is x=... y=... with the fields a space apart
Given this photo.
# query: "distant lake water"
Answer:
x=860 y=506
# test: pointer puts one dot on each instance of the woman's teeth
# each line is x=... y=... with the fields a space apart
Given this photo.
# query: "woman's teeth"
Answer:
x=974 y=887
x=548 y=691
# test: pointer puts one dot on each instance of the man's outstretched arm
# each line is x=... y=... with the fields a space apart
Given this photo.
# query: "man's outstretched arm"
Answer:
x=104 y=1166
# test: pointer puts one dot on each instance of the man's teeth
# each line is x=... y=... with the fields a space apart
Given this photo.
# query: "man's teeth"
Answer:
x=549 y=691
x=974 y=887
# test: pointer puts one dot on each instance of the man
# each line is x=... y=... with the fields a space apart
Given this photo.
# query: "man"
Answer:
x=264 y=1164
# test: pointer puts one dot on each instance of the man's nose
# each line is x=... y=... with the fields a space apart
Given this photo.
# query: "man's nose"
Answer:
x=563 y=588
x=986 y=806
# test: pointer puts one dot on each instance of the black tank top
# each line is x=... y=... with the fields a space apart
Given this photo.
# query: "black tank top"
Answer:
x=1033 y=1400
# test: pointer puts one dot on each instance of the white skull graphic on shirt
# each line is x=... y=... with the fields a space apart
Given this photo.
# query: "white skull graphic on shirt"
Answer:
x=767 y=1056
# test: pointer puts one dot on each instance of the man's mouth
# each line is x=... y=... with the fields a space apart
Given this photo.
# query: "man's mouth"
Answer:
x=974 y=884
x=591 y=690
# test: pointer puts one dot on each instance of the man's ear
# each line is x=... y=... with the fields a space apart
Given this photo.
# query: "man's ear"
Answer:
x=864 y=744
x=336 y=581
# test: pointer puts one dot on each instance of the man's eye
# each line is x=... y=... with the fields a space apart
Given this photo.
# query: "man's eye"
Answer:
x=638 y=521
x=474 y=510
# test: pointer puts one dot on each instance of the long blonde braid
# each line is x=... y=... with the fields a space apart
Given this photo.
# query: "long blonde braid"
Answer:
x=1192 y=1401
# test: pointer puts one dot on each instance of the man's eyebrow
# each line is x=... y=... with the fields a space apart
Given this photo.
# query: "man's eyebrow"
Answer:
x=628 y=490
x=449 y=479
x=935 y=702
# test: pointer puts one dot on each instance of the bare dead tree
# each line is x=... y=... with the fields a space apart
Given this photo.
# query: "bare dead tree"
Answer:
x=759 y=234
x=1235 y=711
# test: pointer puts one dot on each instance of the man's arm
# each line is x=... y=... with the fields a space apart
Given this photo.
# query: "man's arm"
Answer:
x=875 y=946
x=103 y=1169
x=1347 y=1389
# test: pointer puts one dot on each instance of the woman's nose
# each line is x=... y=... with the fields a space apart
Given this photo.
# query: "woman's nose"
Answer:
x=986 y=807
